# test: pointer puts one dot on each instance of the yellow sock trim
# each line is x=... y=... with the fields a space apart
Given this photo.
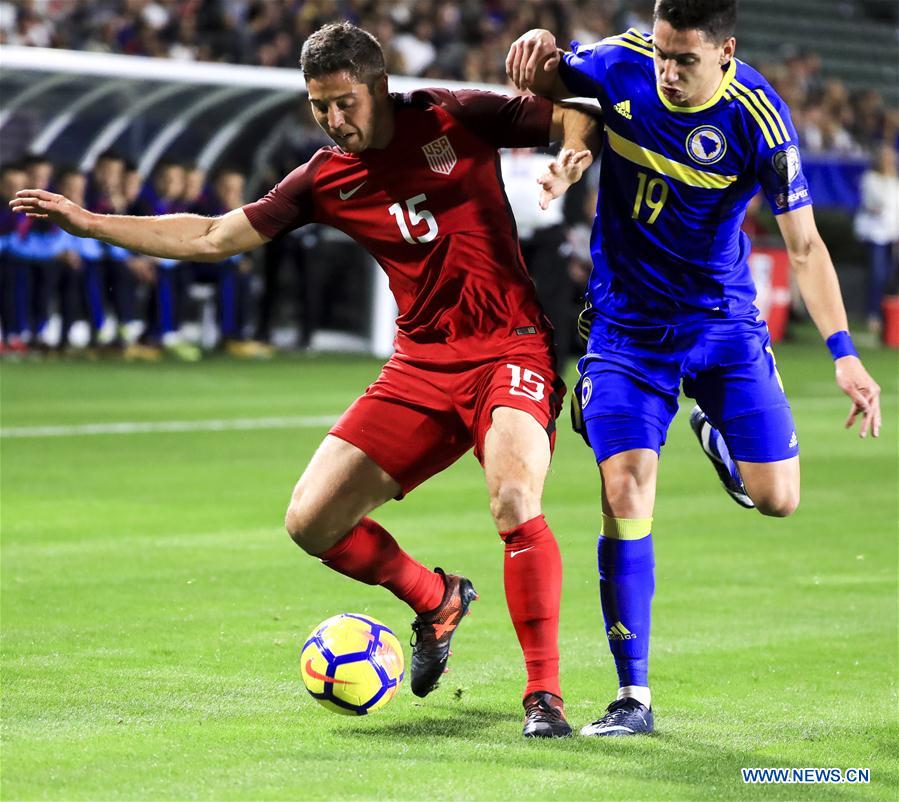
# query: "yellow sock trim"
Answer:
x=625 y=528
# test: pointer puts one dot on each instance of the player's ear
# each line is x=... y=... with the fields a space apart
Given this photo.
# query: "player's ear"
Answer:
x=727 y=50
x=379 y=87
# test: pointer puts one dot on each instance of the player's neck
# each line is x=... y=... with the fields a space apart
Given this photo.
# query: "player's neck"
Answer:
x=384 y=129
x=708 y=91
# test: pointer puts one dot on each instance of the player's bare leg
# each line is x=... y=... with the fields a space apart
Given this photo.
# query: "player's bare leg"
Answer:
x=629 y=483
x=772 y=486
x=626 y=585
x=327 y=517
x=340 y=486
x=516 y=459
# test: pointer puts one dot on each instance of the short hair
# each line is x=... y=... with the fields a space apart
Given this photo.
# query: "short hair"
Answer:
x=716 y=19
x=110 y=155
x=341 y=46
x=35 y=158
x=67 y=171
x=226 y=169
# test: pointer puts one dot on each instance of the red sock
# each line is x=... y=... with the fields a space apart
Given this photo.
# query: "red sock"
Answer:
x=369 y=554
x=533 y=579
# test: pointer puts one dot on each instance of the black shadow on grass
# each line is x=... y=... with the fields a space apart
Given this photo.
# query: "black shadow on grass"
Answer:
x=461 y=723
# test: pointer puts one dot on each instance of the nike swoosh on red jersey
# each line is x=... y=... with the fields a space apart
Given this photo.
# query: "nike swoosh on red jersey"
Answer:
x=348 y=195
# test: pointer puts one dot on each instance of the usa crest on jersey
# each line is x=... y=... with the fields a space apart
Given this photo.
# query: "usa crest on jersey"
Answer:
x=440 y=155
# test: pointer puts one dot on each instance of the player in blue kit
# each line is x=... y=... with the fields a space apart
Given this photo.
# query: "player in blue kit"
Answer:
x=690 y=135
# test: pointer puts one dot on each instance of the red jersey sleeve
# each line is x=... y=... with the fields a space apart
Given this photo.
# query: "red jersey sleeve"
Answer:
x=502 y=121
x=290 y=203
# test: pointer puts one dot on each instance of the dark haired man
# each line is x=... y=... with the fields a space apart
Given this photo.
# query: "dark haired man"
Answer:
x=690 y=134
x=12 y=275
x=414 y=180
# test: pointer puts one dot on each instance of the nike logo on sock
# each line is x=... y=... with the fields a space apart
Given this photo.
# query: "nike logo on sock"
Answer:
x=346 y=195
x=520 y=551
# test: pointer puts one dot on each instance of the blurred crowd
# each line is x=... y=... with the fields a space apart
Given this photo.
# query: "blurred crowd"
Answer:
x=437 y=39
x=61 y=292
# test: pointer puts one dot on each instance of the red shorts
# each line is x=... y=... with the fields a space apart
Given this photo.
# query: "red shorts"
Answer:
x=416 y=419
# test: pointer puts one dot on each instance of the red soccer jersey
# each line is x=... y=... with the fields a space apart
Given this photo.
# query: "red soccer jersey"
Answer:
x=431 y=208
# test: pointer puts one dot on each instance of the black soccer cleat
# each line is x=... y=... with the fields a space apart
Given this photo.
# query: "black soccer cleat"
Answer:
x=433 y=631
x=622 y=717
x=701 y=426
x=544 y=716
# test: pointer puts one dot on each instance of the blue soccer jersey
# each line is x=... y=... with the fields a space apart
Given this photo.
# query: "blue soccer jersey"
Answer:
x=675 y=183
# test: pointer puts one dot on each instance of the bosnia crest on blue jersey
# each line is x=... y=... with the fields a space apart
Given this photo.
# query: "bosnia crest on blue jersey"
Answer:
x=706 y=144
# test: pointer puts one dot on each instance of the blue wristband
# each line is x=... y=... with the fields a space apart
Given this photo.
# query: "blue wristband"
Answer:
x=840 y=345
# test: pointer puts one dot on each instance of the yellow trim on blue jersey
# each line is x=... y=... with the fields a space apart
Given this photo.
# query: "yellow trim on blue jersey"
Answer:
x=662 y=164
x=722 y=88
x=748 y=104
x=756 y=101
x=636 y=37
x=770 y=105
x=619 y=42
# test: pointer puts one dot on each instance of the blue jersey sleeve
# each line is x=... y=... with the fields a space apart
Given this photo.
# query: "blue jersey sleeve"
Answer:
x=582 y=69
x=778 y=163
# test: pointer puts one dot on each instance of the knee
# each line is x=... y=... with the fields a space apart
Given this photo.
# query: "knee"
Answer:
x=296 y=522
x=778 y=503
x=625 y=492
x=512 y=503
x=300 y=522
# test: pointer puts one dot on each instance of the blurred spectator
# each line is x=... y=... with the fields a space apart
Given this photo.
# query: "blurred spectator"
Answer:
x=12 y=178
x=79 y=287
x=877 y=225
x=821 y=131
x=231 y=278
x=195 y=195
x=165 y=195
x=104 y=193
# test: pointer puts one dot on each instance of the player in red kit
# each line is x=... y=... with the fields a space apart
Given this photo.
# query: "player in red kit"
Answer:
x=415 y=180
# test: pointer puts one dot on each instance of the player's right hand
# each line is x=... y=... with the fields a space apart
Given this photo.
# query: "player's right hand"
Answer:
x=58 y=209
x=864 y=392
x=535 y=49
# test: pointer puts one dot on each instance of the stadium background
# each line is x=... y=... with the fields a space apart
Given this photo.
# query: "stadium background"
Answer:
x=152 y=612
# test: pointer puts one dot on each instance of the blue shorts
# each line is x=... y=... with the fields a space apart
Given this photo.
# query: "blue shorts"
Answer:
x=630 y=382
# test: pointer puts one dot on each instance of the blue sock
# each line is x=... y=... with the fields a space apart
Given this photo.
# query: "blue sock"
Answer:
x=716 y=441
x=626 y=586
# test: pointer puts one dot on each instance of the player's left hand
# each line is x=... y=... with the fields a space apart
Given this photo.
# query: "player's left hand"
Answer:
x=566 y=170
x=855 y=381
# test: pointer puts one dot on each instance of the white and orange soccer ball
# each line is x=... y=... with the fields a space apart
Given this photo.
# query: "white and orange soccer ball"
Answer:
x=352 y=664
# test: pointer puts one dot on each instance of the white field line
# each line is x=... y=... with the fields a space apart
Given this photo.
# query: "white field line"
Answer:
x=236 y=424
x=299 y=422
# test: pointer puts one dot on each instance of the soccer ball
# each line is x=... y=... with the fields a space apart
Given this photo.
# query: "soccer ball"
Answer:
x=352 y=664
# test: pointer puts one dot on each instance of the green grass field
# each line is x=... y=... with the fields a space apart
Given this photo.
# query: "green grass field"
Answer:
x=153 y=607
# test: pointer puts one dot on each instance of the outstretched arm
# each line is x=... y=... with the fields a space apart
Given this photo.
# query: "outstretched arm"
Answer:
x=533 y=63
x=171 y=236
x=820 y=290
